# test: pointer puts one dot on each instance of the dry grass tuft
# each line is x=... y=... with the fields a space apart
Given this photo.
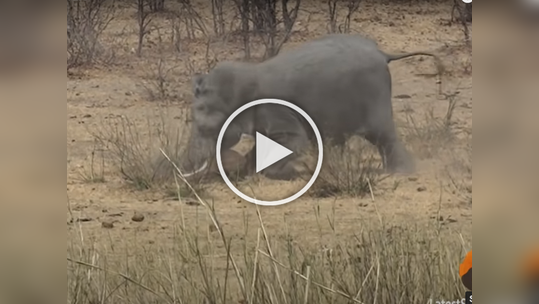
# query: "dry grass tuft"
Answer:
x=134 y=150
x=95 y=172
x=431 y=134
x=459 y=172
x=352 y=170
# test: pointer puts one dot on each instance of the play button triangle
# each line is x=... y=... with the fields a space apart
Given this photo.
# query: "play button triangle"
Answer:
x=268 y=152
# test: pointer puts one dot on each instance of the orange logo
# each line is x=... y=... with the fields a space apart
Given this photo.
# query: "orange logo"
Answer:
x=530 y=268
x=465 y=271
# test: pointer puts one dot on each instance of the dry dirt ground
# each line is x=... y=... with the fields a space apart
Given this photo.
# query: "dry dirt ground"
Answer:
x=124 y=88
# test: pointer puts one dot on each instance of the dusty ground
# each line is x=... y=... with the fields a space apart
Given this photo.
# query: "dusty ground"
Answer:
x=93 y=95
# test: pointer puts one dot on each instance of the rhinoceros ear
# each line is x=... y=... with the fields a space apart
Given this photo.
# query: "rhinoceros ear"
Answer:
x=198 y=83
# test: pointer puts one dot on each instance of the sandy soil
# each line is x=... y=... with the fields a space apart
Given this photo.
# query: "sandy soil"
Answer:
x=96 y=94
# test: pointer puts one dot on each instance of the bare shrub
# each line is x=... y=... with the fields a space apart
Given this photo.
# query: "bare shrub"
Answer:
x=258 y=14
x=194 y=64
x=144 y=18
x=332 y=14
x=176 y=33
x=244 y=10
x=210 y=56
x=351 y=6
x=432 y=134
x=192 y=19
x=159 y=84
x=186 y=22
x=86 y=21
x=263 y=14
x=351 y=170
x=269 y=33
x=166 y=77
x=134 y=149
x=156 y=5
x=218 y=17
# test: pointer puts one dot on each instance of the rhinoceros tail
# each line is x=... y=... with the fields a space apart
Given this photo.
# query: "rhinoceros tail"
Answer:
x=439 y=66
x=393 y=57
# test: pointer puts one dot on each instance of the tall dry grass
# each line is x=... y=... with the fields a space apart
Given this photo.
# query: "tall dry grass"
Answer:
x=382 y=263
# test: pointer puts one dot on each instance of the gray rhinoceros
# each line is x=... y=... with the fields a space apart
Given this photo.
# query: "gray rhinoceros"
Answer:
x=341 y=81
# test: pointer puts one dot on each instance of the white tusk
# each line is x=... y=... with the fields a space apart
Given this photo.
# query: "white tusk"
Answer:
x=204 y=166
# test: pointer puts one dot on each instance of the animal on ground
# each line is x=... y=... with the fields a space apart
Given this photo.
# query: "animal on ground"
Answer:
x=341 y=81
x=234 y=164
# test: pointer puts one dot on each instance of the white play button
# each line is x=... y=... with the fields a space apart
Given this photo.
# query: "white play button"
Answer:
x=268 y=152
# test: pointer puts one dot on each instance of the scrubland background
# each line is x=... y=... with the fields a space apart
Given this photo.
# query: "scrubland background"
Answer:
x=357 y=236
x=118 y=265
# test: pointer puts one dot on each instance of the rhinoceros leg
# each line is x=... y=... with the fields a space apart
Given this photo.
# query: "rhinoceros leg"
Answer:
x=395 y=156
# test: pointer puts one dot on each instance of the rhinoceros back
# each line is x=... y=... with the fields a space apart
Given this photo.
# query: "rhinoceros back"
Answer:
x=339 y=80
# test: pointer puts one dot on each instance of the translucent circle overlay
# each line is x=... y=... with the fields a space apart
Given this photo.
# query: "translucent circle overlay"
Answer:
x=318 y=141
